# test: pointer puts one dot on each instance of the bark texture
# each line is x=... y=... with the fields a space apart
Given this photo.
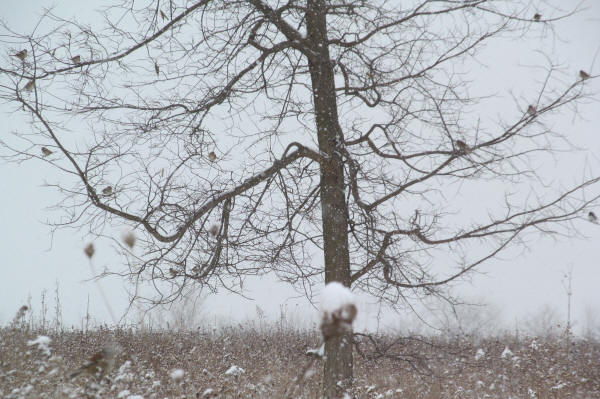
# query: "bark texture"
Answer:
x=338 y=350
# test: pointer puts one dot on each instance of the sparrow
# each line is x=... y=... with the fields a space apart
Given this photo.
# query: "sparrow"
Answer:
x=89 y=250
x=531 y=110
x=156 y=68
x=100 y=364
x=592 y=217
x=214 y=229
x=107 y=190
x=46 y=152
x=30 y=85
x=537 y=17
x=76 y=59
x=212 y=156
x=462 y=146
x=172 y=272
x=21 y=54
x=129 y=239
x=163 y=15
x=584 y=75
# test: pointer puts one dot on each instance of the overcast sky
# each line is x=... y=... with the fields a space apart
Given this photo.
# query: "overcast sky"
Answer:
x=33 y=261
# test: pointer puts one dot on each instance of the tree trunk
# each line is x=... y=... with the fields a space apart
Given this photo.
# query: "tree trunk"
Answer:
x=337 y=375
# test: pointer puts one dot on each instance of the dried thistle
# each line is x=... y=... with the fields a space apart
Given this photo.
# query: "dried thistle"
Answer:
x=19 y=315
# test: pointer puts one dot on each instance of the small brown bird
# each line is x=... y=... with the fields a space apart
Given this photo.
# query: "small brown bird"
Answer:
x=163 y=15
x=89 y=250
x=76 y=59
x=156 y=68
x=592 y=217
x=212 y=156
x=30 y=85
x=584 y=75
x=46 y=152
x=214 y=229
x=537 y=17
x=462 y=146
x=100 y=364
x=107 y=190
x=172 y=272
x=531 y=110
x=129 y=239
x=21 y=54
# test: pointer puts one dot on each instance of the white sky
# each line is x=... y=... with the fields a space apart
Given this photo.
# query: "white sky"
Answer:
x=33 y=262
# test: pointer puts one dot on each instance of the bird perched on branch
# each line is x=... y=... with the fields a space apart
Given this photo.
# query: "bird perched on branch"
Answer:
x=76 y=59
x=156 y=68
x=100 y=364
x=212 y=156
x=537 y=17
x=46 y=152
x=107 y=190
x=462 y=146
x=30 y=85
x=21 y=54
x=89 y=250
x=592 y=217
x=531 y=110
x=584 y=75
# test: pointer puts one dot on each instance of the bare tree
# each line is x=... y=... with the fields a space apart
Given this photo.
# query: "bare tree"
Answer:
x=245 y=137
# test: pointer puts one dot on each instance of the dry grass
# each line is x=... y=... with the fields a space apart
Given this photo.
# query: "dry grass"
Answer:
x=272 y=359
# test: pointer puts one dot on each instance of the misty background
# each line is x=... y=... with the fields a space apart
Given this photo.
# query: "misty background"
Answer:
x=519 y=286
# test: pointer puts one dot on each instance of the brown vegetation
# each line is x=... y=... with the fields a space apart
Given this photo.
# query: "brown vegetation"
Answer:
x=386 y=366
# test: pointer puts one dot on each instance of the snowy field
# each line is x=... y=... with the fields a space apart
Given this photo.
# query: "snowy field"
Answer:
x=250 y=362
